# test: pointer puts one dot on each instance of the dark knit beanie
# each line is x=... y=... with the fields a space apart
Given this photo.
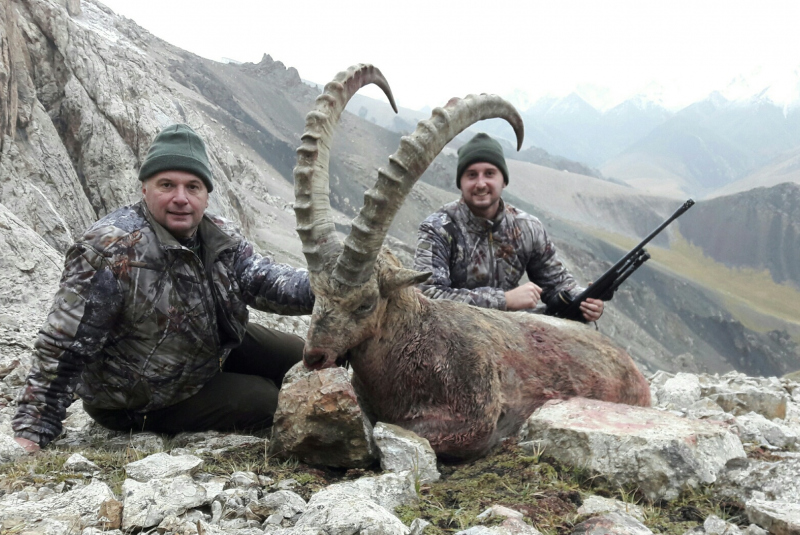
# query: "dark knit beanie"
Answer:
x=481 y=148
x=177 y=148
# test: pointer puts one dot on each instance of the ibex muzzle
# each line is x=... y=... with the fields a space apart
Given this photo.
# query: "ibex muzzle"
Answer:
x=460 y=376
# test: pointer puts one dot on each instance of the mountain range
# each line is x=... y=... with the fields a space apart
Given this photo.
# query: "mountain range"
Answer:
x=712 y=147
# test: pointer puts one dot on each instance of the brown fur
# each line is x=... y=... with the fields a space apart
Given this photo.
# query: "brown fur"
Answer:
x=461 y=376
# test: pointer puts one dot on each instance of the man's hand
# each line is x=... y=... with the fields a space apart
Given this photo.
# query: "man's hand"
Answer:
x=592 y=309
x=28 y=445
x=522 y=297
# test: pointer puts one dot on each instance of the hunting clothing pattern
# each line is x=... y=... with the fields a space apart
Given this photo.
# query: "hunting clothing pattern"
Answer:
x=476 y=260
x=140 y=322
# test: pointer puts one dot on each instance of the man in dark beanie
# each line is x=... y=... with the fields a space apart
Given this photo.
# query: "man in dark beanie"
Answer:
x=479 y=247
x=150 y=324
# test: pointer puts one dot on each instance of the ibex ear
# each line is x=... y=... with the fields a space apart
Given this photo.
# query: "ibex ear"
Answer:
x=397 y=279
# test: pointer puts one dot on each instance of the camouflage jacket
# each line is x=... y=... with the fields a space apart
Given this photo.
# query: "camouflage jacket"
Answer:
x=476 y=260
x=140 y=323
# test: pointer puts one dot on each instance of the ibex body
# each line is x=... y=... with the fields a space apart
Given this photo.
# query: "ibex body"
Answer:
x=460 y=376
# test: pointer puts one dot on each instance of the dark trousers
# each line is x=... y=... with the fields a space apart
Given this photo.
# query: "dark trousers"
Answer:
x=243 y=396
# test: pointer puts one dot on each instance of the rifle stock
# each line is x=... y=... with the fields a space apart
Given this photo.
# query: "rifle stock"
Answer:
x=564 y=306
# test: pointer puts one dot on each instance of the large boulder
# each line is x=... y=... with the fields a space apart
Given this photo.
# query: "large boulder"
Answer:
x=362 y=506
x=81 y=506
x=656 y=451
x=320 y=422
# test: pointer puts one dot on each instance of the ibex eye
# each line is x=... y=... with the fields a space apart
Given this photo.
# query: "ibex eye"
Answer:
x=363 y=309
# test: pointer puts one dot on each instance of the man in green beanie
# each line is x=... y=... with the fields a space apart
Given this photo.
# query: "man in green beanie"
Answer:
x=479 y=247
x=150 y=324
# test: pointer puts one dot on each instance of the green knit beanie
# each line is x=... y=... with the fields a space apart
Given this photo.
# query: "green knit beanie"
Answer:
x=481 y=148
x=177 y=148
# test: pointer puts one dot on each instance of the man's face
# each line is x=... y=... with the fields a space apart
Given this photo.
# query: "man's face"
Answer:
x=481 y=186
x=177 y=200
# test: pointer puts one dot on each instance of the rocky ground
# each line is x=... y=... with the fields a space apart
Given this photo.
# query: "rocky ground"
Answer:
x=716 y=454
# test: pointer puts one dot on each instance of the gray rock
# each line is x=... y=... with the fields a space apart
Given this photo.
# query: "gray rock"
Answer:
x=714 y=525
x=387 y=490
x=743 y=479
x=611 y=524
x=768 y=404
x=418 y=525
x=679 y=392
x=147 y=504
x=345 y=514
x=163 y=465
x=593 y=505
x=653 y=450
x=361 y=506
x=96 y=531
x=243 y=480
x=215 y=442
x=9 y=449
x=283 y=503
x=753 y=427
x=79 y=463
x=510 y=526
x=402 y=450
x=779 y=518
x=498 y=511
x=79 y=506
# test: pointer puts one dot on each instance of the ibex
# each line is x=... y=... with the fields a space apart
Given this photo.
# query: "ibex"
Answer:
x=460 y=376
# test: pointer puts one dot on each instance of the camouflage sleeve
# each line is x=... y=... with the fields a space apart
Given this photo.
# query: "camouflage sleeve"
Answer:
x=546 y=269
x=270 y=286
x=85 y=309
x=433 y=254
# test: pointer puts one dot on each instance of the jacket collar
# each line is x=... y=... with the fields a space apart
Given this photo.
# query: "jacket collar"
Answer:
x=480 y=224
x=214 y=239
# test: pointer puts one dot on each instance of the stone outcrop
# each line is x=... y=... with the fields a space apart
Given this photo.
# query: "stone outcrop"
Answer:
x=633 y=446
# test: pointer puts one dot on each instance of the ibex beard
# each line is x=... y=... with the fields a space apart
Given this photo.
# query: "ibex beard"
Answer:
x=460 y=376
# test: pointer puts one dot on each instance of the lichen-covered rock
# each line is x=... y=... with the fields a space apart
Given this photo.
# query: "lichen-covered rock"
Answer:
x=79 y=463
x=779 y=518
x=753 y=427
x=680 y=391
x=147 y=504
x=653 y=450
x=744 y=479
x=611 y=524
x=402 y=450
x=593 y=505
x=283 y=503
x=163 y=465
x=79 y=506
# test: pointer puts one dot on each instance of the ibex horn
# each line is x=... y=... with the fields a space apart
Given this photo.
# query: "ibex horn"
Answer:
x=312 y=206
x=416 y=152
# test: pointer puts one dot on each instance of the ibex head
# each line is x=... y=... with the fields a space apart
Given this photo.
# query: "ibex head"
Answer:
x=352 y=284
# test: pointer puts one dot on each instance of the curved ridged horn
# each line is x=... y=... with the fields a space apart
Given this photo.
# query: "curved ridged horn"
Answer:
x=415 y=154
x=312 y=207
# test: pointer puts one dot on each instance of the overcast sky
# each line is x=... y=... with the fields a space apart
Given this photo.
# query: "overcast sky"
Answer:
x=432 y=50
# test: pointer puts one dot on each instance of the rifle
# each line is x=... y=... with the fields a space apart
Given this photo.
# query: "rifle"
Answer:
x=564 y=306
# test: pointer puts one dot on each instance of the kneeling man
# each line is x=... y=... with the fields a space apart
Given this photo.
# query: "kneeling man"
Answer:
x=479 y=246
x=150 y=324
